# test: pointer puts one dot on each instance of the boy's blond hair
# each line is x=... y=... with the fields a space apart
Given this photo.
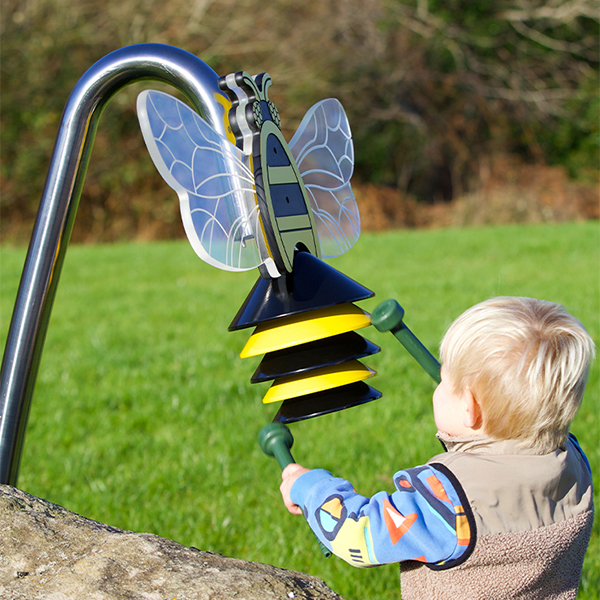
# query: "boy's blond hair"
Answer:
x=526 y=361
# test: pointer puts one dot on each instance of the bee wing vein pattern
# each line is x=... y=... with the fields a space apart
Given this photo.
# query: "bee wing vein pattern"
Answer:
x=212 y=177
x=323 y=150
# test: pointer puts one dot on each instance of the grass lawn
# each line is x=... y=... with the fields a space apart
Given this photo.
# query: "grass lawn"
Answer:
x=144 y=416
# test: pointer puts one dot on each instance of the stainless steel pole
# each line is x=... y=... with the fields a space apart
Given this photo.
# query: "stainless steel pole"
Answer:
x=58 y=206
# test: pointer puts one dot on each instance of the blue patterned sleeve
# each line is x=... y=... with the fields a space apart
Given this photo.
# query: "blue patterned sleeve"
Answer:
x=425 y=519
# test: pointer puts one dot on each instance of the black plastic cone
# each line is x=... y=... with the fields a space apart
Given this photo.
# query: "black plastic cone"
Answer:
x=312 y=284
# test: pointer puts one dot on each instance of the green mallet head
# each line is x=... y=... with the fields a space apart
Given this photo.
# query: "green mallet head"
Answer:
x=387 y=316
x=275 y=439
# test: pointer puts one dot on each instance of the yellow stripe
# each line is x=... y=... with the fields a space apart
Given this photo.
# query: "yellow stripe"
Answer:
x=278 y=175
x=293 y=222
x=317 y=380
x=305 y=327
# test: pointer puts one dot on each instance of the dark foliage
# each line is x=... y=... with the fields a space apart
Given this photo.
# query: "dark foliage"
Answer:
x=431 y=88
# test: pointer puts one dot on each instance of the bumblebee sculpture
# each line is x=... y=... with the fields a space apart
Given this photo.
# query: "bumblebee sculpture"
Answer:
x=253 y=201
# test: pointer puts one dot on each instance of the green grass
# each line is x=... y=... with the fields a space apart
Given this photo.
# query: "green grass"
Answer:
x=144 y=418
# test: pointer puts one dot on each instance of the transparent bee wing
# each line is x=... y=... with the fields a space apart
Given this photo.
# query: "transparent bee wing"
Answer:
x=212 y=178
x=323 y=150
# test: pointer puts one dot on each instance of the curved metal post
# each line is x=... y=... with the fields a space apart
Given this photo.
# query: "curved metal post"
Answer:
x=56 y=214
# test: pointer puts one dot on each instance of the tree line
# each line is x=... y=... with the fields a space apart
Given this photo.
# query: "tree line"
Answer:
x=432 y=90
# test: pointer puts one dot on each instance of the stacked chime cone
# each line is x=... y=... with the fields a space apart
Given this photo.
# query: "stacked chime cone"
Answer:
x=306 y=324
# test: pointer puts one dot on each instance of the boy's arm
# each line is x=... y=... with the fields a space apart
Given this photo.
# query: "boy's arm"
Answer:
x=426 y=519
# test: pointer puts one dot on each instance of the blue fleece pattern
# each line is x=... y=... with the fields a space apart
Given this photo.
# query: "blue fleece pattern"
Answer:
x=423 y=519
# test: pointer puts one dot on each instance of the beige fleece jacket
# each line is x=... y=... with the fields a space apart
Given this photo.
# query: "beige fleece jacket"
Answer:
x=533 y=516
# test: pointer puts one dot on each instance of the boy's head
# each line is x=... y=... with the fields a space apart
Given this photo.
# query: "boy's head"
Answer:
x=526 y=362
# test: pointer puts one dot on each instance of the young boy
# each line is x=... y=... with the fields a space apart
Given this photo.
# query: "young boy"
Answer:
x=507 y=510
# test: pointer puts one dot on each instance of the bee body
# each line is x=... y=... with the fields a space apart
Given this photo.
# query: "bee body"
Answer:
x=287 y=218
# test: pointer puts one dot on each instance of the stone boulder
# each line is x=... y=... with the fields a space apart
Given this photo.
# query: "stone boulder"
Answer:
x=49 y=552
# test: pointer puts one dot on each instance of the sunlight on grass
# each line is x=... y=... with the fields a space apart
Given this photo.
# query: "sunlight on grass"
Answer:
x=144 y=416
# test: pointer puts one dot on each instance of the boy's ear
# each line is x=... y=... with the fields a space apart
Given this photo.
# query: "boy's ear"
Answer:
x=472 y=415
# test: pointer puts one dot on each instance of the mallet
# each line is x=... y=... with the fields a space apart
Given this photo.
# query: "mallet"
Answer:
x=388 y=316
x=275 y=439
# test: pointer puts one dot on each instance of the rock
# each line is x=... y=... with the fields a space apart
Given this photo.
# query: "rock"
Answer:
x=49 y=552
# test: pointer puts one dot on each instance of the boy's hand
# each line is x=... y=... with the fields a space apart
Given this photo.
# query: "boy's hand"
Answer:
x=289 y=476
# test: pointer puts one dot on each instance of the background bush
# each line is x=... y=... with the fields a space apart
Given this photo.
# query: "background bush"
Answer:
x=435 y=91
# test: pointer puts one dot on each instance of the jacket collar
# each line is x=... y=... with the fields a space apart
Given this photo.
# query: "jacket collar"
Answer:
x=482 y=444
